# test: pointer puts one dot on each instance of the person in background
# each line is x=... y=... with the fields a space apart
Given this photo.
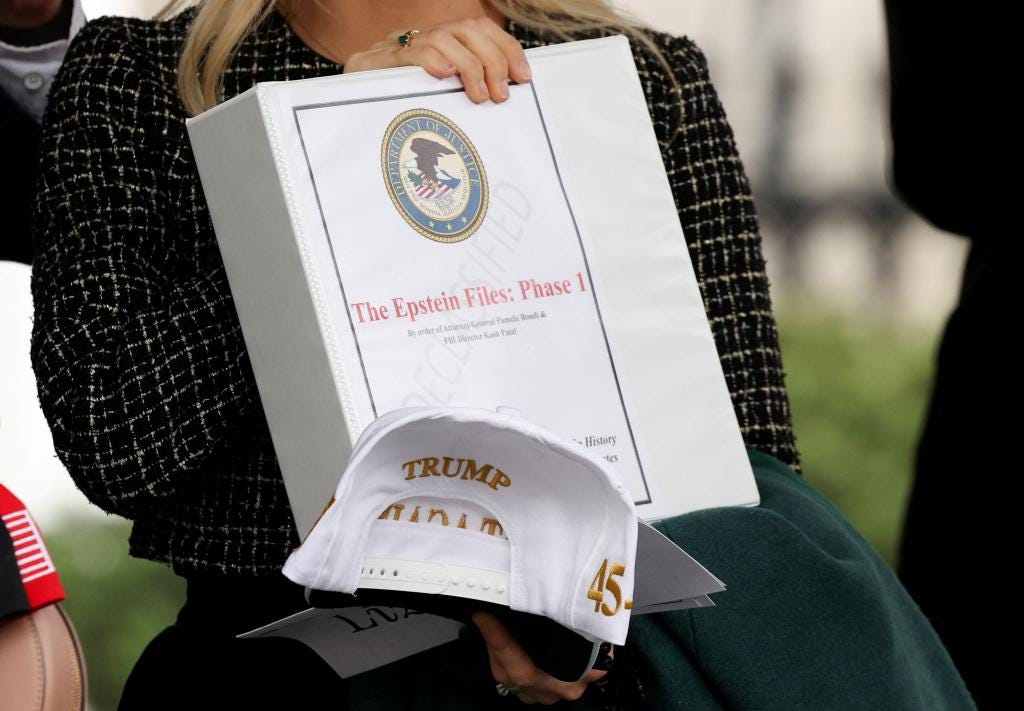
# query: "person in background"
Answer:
x=34 y=34
x=956 y=162
x=41 y=660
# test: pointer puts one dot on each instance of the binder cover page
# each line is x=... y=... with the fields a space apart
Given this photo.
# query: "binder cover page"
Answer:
x=464 y=271
x=392 y=244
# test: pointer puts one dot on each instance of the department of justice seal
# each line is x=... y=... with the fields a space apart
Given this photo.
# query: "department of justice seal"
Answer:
x=434 y=176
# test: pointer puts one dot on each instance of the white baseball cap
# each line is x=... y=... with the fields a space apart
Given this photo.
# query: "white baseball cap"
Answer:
x=481 y=505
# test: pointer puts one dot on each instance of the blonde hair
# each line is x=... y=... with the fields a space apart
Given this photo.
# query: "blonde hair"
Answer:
x=220 y=26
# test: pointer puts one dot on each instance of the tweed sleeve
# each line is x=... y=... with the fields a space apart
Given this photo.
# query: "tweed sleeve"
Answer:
x=716 y=209
x=140 y=364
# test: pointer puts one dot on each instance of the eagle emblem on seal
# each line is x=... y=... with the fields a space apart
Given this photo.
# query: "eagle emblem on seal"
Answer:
x=434 y=176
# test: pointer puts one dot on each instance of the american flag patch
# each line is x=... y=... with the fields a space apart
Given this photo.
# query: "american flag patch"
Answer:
x=24 y=559
x=29 y=551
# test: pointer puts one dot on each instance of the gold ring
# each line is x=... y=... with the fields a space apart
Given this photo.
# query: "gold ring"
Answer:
x=406 y=39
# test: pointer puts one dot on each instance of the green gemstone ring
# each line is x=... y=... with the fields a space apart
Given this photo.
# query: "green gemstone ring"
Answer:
x=406 y=39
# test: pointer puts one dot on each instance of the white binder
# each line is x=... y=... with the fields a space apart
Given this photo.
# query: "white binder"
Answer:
x=590 y=320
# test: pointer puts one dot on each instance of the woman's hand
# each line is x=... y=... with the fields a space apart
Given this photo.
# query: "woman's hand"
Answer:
x=512 y=667
x=477 y=49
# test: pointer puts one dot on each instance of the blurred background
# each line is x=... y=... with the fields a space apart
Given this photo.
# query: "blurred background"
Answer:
x=861 y=290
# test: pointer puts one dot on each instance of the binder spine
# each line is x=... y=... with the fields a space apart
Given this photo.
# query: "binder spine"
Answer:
x=268 y=110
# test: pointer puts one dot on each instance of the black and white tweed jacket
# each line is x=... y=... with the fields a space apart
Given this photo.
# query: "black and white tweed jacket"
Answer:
x=142 y=370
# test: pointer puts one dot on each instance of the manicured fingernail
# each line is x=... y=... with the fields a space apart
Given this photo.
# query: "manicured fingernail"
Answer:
x=524 y=71
x=503 y=89
x=483 y=88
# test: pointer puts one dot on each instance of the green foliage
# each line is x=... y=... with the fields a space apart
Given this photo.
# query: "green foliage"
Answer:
x=858 y=393
x=117 y=603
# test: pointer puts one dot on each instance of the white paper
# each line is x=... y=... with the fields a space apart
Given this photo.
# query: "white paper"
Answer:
x=356 y=639
x=665 y=574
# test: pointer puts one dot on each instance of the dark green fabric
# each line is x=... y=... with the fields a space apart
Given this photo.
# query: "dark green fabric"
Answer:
x=813 y=619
